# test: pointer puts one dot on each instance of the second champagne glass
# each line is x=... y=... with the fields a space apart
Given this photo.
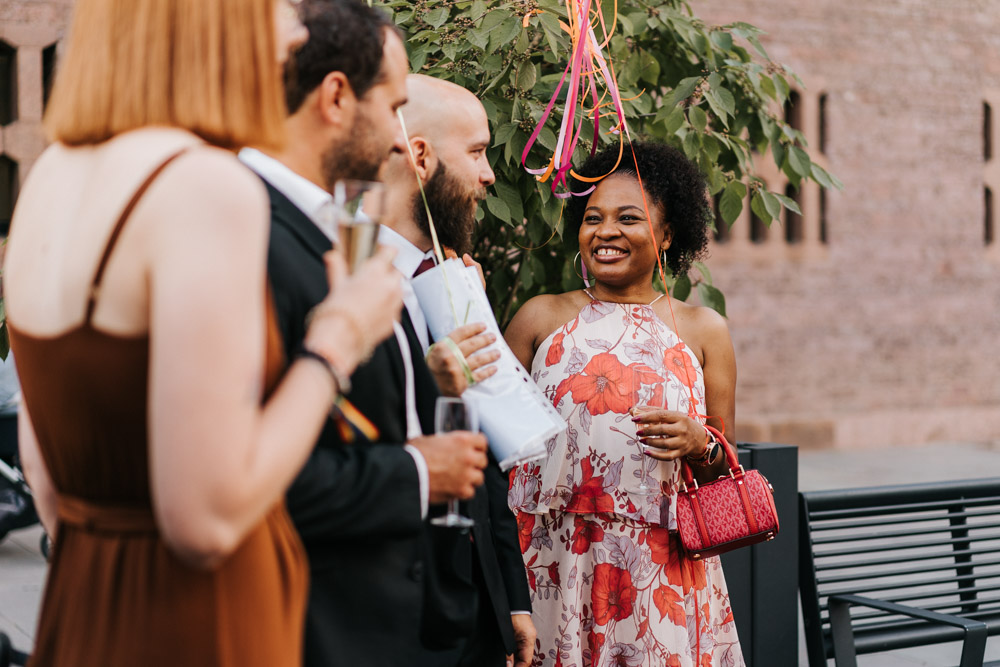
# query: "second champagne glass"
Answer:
x=454 y=414
x=358 y=206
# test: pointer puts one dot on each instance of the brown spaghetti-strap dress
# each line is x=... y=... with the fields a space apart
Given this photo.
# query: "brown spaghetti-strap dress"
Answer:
x=115 y=596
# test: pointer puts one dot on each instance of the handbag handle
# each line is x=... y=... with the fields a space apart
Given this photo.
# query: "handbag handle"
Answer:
x=734 y=463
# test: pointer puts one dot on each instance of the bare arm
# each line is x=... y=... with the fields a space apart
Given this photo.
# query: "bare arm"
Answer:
x=35 y=472
x=218 y=461
x=522 y=332
x=670 y=434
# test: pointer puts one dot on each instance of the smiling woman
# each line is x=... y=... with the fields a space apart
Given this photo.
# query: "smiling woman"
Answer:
x=604 y=355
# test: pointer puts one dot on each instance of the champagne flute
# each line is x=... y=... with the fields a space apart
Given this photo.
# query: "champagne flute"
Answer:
x=358 y=208
x=643 y=489
x=454 y=414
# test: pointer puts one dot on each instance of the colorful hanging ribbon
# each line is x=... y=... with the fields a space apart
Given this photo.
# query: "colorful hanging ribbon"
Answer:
x=586 y=67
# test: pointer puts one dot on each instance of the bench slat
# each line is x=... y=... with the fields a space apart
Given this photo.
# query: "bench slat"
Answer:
x=866 y=523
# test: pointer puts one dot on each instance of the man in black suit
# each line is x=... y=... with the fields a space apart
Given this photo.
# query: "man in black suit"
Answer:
x=448 y=137
x=377 y=592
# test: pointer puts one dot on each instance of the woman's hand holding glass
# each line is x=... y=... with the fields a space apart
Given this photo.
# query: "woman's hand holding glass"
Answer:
x=668 y=435
x=358 y=312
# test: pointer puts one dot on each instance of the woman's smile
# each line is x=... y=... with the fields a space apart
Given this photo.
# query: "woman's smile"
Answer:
x=607 y=254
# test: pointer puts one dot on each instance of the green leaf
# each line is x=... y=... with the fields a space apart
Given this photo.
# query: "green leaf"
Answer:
x=712 y=297
x=767 y=87
x=437 y=17
x=731 y=203
x=789 y=203
x=674 y=120
x=722 y=39
x=498 y=207
x=526 y=76
x=683 y=90
x=512 y=198
x=4 y=341
x=755 y=43
x=505 y=33
x=692 y=145
x=825 y=178
x=504 y=133
x=703 y=270
x=629 y=74
x=649 y=68
x=820 y=176
x=478 y=37
x=716 y=104
x=800 y=162
x=772 y=204
x=697 y=118
x=758 y=208
x=726 y=100
x=682 y=288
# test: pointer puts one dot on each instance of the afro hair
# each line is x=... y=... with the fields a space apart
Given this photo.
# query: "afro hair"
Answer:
x=671 y=181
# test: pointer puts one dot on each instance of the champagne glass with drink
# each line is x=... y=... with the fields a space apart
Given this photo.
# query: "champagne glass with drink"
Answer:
x=358 y=206
x=454 y=414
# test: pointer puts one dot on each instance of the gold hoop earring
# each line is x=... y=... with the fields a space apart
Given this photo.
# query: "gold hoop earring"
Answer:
x=582 y=275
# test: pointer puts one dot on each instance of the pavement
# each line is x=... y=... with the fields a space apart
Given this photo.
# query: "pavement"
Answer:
x=22 y=567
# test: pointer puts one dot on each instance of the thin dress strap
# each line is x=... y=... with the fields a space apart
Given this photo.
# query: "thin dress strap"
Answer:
x=593 y=298
x=95 y=285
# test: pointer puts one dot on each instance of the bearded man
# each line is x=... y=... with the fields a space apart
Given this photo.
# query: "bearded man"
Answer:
x=448 y=137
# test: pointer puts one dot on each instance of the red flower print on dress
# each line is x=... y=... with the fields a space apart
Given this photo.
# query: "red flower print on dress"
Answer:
x=589 y=496
x=605 y=385
x=555 y=350
x=553 y=569
x=525 y=524
x=585 y=532
x=595 y=640
x=665 y=549
x=678 y=362
x=669 y=603
x=612 y=594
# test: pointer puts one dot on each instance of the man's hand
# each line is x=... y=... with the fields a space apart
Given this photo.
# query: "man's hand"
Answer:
x=468 y=261
x=524 y=637
x=447 y=368
x=455 y=463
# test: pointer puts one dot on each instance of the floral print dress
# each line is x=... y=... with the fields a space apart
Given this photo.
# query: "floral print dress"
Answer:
x=610 y=584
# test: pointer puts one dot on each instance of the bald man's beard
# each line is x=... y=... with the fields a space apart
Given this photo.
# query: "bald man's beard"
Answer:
x=452 y=207
x=357 y=156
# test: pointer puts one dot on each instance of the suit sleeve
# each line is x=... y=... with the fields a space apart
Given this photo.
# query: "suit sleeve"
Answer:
x=505 y=540
x=355 y=491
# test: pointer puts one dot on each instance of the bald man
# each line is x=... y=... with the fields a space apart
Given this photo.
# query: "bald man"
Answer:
x=449 y=133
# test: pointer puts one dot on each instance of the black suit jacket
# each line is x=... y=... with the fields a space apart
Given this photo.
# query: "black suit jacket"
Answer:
x=357 y=506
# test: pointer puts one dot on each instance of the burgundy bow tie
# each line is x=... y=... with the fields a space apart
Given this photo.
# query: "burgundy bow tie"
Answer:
x=428 y=263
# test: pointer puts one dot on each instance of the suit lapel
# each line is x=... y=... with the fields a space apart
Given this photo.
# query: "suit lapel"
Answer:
x=424 y=386
x=289 y=216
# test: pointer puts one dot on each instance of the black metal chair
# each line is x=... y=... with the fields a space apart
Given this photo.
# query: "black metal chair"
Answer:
x=900 y=566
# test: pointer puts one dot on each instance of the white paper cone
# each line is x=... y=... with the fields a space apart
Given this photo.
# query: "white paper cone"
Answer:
x=513 y=413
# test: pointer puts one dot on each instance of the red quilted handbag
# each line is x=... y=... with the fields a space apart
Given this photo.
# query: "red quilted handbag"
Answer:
x=736 y=510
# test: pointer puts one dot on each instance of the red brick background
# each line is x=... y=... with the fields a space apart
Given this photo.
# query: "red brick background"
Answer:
x=890 y=334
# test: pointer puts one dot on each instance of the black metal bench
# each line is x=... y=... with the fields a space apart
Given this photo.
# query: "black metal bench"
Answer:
x=900 y=566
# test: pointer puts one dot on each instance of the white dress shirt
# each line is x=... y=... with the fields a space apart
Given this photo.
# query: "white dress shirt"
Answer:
x=408 y=258
x=317 y=204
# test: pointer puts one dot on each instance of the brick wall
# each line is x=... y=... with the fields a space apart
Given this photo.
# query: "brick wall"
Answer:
x=27 y=28
x=889 y=333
